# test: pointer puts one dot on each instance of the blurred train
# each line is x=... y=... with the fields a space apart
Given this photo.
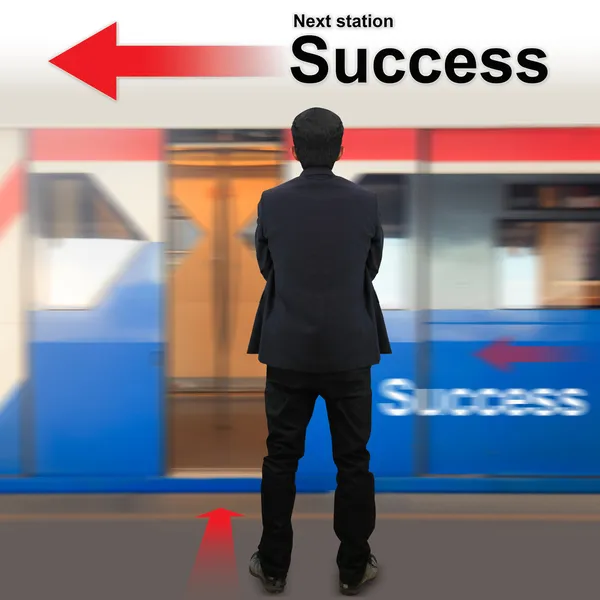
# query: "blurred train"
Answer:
x=130 y=285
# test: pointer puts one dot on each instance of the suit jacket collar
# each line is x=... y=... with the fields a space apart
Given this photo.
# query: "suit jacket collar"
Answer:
x=312 y=171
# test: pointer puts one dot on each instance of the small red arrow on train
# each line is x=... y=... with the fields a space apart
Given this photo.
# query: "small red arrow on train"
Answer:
x=99 y=62
x=502 y=354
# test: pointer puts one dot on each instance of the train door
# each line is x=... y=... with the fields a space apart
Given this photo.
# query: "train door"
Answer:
x=515 y=286
x=216 y=403
x=96 y=326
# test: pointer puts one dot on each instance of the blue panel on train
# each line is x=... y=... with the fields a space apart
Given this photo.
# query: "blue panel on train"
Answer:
x=513 y=397
x=98 y=379
x=392 y=440
x=10 y=432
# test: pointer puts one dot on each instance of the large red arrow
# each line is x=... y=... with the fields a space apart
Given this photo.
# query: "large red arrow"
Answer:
x=215 y=568
x=502 y=354
x=98 y=61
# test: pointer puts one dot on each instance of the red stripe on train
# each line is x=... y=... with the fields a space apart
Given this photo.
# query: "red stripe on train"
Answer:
x=473 y=145
x=497 y=145
x=445 y=145
x=96 y=144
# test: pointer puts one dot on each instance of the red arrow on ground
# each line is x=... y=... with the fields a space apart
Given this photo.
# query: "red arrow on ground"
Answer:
x=502 y=354
x=215 y=566
x=99 y=62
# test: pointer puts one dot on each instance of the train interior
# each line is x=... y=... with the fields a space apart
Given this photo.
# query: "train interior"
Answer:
x=454 y=242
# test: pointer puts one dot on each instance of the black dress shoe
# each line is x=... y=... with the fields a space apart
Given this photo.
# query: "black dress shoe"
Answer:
x=371 y=571
x=272 y=585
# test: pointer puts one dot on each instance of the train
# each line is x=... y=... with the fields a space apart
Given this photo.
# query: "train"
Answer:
x=130 y=285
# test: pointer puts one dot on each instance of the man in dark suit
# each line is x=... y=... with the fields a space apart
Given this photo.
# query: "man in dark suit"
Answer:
x=319 y=329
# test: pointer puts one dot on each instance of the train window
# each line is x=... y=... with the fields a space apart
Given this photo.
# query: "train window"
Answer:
x=519 y=265
x=247 y=233
x=392 y=197
x=72 y=206
x=533 y=196
x=82 y=239
x=392 y=193
x=183 y=235
x=550 y=264
x=550 y=256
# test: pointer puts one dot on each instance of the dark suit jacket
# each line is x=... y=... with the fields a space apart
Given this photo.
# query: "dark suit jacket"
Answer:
x=319 y=244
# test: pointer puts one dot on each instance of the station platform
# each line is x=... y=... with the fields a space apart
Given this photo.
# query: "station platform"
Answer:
x=143 y=547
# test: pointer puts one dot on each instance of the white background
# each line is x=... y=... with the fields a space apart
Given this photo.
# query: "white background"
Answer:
x=34 y=93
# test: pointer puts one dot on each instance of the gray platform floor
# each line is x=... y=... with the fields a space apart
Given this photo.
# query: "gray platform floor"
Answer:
x=429 y=547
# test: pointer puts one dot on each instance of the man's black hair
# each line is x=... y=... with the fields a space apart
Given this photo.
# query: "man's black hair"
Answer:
x=317 y=135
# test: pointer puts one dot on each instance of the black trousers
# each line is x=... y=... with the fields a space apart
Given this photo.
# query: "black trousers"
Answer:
x=290 y=398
